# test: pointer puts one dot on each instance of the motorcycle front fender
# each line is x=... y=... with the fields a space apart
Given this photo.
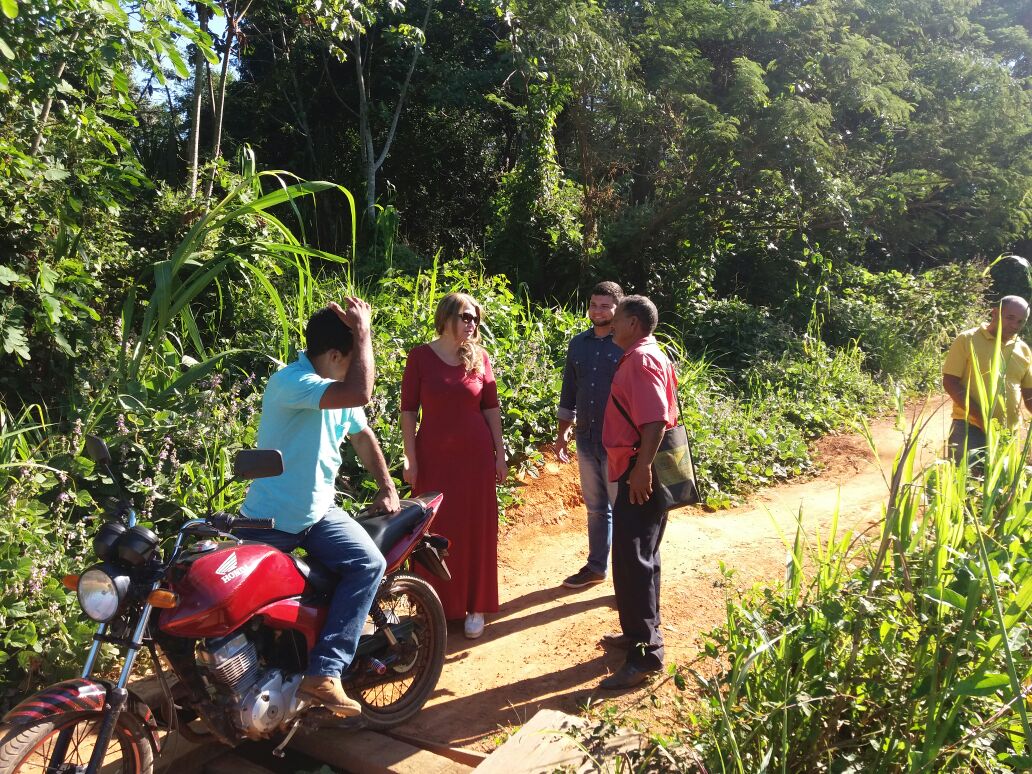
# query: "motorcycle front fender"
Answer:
x=80 y=695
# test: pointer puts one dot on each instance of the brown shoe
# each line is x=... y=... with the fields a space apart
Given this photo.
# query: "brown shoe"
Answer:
x=327 y=691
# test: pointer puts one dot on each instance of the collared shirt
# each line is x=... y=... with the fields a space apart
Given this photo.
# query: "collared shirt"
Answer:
x=309 y=439
x=646 y=385
x=590 y=364
x=1015 y=365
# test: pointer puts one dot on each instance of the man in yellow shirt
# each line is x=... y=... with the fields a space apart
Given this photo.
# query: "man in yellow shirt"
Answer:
x=976 y=347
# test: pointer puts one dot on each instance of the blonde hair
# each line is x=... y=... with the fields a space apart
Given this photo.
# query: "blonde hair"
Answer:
x=448 y=310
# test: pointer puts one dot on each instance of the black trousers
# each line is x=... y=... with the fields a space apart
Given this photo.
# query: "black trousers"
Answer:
x=965 y=437
x=637 y=533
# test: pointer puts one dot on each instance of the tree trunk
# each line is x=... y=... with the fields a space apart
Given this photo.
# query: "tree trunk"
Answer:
x=365 y=133
x=48 y=103
x=193 y=163
x=232 y=22
x=296 y=101
x=371 y=161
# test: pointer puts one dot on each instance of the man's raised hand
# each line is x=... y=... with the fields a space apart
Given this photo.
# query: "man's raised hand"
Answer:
x=355 y=314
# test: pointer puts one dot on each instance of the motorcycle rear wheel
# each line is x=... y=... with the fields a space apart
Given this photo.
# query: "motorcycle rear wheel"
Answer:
x=26 y=749
x=390 y=700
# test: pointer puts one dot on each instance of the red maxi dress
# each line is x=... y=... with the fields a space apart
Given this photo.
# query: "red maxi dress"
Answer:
x=455 y=456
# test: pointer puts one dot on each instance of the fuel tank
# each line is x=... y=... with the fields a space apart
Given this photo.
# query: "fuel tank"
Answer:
x=221 y=589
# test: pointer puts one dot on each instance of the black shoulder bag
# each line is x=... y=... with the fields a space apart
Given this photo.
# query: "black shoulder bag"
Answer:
x=673 y=471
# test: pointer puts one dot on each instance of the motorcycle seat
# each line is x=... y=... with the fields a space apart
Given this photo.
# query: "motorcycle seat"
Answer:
x=387 y=529
x=319 y=577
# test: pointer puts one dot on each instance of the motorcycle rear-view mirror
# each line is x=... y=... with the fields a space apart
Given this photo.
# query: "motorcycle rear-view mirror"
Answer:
x=97 y=450
x=257 y=463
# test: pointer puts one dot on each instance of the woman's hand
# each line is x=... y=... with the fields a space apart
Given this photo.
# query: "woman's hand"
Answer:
x=409 y=472
x=501 y=469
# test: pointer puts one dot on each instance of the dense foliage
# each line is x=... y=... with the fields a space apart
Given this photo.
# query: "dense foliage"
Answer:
x=906 y=654
x=809 y=192
x=678 y=145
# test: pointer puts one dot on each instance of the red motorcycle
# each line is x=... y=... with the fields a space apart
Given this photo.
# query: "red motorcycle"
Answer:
x=235 y=620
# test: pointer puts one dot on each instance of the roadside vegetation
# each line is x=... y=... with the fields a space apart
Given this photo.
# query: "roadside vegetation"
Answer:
x=906 y=651
x=171 y=370
x=809 y=192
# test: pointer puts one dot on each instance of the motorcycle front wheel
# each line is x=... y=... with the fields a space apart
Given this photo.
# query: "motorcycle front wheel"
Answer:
x=28 y=749
x=414 y=665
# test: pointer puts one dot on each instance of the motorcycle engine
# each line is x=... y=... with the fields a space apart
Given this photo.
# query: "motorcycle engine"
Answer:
x=261 y=701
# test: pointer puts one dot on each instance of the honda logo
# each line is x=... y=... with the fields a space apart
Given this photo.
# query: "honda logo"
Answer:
x=229 y=570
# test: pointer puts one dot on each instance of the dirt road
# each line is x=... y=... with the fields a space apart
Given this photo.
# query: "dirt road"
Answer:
x=540 y=650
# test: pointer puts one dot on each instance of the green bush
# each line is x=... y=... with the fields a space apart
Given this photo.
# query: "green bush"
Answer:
x=908 y=654
x=902 y=322
x=734 y=334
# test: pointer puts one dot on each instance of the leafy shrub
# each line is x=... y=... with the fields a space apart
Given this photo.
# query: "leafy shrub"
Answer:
x=902 y=322
x=822 y=391
x=734 y=334
x=908 y=654
x=42 y=537
x=753 y=431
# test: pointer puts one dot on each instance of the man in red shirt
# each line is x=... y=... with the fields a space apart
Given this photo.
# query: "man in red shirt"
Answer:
x=642 y=406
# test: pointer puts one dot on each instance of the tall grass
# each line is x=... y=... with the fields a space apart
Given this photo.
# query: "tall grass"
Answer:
x=240 y=233
x=910 y=653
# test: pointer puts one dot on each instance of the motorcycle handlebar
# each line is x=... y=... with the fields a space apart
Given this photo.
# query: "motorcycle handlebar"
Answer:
x=227 y=523
x=242 y=522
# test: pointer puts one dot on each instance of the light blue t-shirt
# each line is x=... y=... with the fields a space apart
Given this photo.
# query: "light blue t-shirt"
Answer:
x=309 y=439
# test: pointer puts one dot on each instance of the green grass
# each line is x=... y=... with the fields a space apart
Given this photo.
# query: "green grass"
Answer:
x=906 y=654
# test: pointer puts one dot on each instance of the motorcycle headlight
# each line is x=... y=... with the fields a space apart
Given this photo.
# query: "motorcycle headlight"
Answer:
x=102 y=589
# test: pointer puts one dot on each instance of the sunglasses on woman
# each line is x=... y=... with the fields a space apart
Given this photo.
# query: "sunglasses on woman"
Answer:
x=468 y=318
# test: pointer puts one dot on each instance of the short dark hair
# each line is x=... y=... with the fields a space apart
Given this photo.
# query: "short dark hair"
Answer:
x=641 y=309
x=608 y=288
x=326 y=331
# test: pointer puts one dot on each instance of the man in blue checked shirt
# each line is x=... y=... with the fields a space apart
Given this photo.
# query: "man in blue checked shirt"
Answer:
x=590 y=364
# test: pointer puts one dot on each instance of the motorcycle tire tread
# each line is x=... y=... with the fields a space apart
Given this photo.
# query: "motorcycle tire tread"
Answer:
x=18 y=741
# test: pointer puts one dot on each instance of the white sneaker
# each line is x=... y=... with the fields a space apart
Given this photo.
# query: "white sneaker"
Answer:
x=474 y=625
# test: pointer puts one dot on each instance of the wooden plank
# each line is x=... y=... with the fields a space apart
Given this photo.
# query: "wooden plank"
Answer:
x=367 y=752
x=183 y=755
x=231 y=763
x=459 y=754
x=544 y=744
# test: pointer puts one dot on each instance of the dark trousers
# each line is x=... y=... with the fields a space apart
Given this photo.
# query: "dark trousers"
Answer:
x=967 y=438
x=637 y=533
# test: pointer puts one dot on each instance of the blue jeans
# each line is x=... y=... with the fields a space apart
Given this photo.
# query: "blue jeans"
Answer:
x=599 y=493
x=340 y=543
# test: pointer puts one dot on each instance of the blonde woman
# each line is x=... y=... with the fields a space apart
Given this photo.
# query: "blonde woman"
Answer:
x=452 y=427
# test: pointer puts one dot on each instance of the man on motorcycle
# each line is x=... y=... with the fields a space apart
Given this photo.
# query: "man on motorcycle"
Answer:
x=307 y=409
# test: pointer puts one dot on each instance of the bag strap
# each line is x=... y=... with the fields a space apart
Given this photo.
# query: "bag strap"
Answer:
x=628 y=416
x=677 y=398
x=677 y=392
x=680 y=418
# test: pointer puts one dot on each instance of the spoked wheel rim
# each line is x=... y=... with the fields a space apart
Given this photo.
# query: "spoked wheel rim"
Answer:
x=413 y=657
x=414 y=667
x=121 y=756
